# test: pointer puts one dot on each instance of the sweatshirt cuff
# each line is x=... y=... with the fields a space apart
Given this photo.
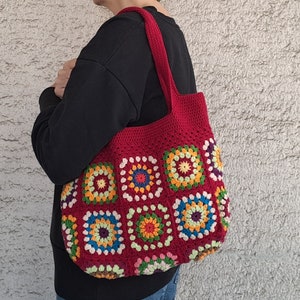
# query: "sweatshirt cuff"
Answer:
x=48 y=99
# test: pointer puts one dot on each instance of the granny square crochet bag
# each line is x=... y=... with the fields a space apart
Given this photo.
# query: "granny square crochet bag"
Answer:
x=153 y=198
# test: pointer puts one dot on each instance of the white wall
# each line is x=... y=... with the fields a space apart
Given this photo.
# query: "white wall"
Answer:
x=246 y=56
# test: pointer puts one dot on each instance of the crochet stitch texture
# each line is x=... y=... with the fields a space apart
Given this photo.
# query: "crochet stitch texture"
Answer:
x=154 y=197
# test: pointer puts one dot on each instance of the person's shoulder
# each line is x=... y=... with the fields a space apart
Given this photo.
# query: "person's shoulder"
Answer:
x=112 y=35
x=126 y=19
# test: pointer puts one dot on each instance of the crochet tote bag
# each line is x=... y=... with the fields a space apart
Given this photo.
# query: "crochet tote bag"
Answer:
x=153 y=198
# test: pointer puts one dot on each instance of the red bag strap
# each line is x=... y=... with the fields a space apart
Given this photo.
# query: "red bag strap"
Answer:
x=159 y=53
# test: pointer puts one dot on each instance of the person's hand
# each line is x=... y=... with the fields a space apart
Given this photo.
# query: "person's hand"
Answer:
x=63 y=77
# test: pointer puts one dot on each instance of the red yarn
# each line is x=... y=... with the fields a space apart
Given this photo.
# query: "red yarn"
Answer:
x=153 y=198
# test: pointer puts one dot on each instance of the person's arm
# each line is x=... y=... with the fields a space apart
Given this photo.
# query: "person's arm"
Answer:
x=68 y=133
x=63 y=77
x=51 y=96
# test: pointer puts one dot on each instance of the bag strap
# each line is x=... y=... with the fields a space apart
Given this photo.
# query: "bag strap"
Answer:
x=159 y=54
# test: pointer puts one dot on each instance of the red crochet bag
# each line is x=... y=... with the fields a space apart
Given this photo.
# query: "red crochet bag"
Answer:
x=153 y=198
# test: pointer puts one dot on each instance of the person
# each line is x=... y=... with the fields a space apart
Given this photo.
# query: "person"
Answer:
x=111 y=85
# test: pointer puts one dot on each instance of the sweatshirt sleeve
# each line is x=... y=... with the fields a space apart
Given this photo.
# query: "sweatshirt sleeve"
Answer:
x=48 y=99
x=68 y=133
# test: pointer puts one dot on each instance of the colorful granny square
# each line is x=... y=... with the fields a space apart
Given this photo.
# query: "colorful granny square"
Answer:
x=155 y=264
x=103 y=233
x=68 y=194
x=183 y=167
x=149 y=227
x=202 y=251
x=105 y=271
x=213 y=159
x=223 y=205
x=99 y=184
x=140 y=178
x=70 y=234
x=195 y=216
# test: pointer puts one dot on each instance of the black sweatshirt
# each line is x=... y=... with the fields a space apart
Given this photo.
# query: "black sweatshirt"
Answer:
x=113 y=85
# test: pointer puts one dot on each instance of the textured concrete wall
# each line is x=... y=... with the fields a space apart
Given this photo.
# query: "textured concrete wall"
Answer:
x=247 y=61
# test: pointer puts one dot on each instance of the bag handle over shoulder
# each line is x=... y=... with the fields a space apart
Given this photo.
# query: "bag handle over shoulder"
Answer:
x=159 y=54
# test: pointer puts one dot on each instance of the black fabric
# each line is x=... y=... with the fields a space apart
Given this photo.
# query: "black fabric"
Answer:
x=113 y=85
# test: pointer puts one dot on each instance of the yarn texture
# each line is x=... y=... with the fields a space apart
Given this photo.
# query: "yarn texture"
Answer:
x=154 y=197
